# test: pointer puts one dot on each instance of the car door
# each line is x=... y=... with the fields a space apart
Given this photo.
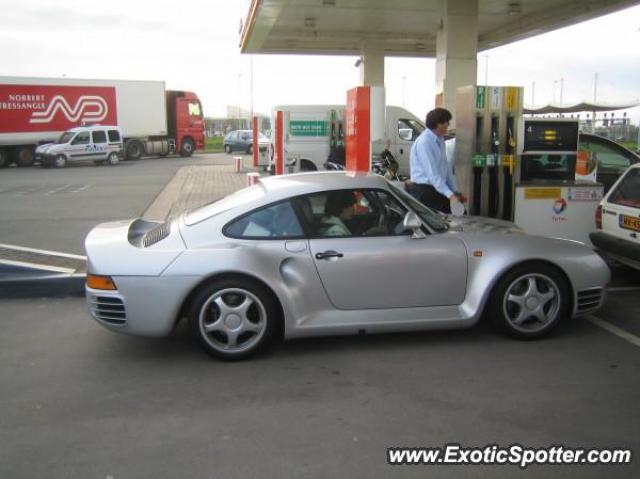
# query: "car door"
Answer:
x=81 y=143
x=99 y=145
x=621 y=210
x=372 y=263
x=611 y=158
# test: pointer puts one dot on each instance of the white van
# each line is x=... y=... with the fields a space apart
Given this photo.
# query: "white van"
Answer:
x=97 y=143
x=311 y=131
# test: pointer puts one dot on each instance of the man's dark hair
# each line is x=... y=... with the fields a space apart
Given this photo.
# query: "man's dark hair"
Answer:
x=338 y=201
x=437 y=116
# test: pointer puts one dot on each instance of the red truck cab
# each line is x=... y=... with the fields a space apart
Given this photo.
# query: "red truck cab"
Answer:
x=185 y=121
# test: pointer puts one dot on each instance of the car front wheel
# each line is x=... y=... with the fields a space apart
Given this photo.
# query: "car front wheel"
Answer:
x=233 y=318
x=227 y=148
x=529 y=301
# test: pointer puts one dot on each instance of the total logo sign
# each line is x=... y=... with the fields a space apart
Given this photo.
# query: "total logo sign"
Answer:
x=29 y=108
x=559 y=207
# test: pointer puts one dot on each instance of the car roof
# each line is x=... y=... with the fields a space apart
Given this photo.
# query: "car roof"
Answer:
x=93 y=127
x=301 y=183
x=276 y=188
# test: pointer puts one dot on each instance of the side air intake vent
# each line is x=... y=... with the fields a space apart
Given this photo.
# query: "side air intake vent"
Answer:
x=156 y=234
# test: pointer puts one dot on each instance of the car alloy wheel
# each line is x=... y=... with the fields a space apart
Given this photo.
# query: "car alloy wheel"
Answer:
x=113 y=159
x=227 y=148
x=232 y=320
x=61 y=161
x=531 y=302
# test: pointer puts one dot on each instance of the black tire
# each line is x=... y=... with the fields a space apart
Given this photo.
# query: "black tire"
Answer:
x=521 y=320
x=24 y=156
x=250 y=150
x=4 y=158
x=187 y=148
x=61 y=161
x=113 y=159
x=227 y=149
x=134 y=149
x=264 y=308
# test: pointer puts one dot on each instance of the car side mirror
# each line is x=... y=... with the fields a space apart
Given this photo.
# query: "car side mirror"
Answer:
x=413 y=223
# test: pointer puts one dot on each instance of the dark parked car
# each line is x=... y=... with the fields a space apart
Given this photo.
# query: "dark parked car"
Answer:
x=242 y=140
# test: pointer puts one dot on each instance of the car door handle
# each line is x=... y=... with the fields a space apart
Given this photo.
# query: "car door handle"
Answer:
x=329 y=254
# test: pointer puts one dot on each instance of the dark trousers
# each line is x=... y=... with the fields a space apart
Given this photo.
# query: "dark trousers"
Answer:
x=429 y=196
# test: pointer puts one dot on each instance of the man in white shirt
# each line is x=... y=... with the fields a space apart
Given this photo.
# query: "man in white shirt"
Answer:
x=434 y=182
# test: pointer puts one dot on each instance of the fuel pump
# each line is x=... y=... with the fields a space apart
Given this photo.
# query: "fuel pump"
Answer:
x=486 y=126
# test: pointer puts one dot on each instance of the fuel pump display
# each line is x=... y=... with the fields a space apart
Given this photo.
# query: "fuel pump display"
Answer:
x=553 y=199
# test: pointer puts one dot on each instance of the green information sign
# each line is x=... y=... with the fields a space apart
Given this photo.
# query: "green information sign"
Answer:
x=479 y=160
x=480 y=97
x=309 y=128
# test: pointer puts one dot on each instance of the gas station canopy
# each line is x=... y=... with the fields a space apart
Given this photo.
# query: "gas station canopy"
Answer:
x=579 y=107
x=403 y=27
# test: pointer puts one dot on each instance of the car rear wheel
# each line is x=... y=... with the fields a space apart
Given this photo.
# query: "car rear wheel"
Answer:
x=61 y=161
x=529 y=301
x=233 y=318
x=113 y=159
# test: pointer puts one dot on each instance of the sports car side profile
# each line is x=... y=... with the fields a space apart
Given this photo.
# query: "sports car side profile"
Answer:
x=330 y=254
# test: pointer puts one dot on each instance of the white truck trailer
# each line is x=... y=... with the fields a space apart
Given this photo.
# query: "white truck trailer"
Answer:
x=153 y=120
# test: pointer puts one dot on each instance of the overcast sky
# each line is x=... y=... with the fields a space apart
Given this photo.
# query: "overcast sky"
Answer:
x=193 y=45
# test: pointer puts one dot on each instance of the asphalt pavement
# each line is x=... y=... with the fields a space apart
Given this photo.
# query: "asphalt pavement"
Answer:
x=54 y=209
x=79 y=401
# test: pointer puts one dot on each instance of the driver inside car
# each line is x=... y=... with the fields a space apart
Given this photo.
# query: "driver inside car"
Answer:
x=341 y=207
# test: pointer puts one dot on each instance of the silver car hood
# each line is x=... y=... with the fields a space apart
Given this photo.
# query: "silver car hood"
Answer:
x=479 y=224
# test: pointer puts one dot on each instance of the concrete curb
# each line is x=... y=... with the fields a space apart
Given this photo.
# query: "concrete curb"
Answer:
x=43 y=286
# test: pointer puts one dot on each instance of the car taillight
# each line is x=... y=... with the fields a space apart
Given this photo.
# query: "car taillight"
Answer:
x=599 y=217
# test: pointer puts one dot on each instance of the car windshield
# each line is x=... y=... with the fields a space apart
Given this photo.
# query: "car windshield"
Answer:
x=239 y=198
x=66 y=137
x=429 y=216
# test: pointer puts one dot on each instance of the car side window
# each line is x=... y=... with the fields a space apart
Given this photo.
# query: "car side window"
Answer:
x=277 y=221
x=81 y=138
x=99 y=136
x=627 y=193
x=351 y=213
x=114 y=136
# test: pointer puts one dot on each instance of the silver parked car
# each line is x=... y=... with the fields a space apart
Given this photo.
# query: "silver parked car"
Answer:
x=326 y=254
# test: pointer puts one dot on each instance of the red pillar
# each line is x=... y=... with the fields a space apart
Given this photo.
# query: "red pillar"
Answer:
x=279 y=143
x=358 y=134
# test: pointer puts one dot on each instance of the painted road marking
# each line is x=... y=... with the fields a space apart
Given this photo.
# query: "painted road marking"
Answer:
x=615 y=330
x=42 y=251
x=78 y=190
x=44 y=267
